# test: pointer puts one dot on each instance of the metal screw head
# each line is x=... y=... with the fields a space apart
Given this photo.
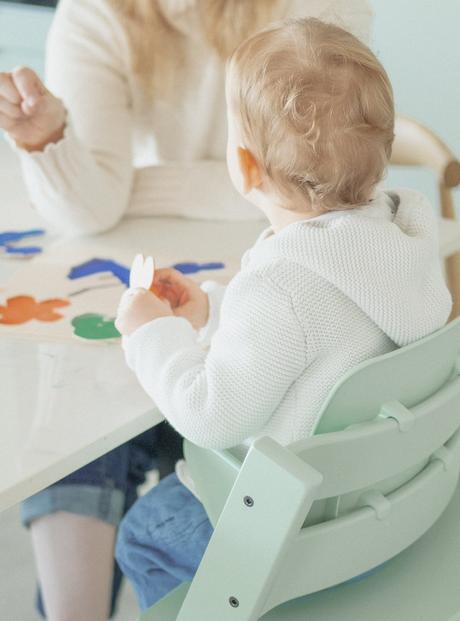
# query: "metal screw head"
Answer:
x=248 y=501
x=234 y=603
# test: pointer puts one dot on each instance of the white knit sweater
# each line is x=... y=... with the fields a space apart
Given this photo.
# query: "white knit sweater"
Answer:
x=309 y=303
x=120 y=155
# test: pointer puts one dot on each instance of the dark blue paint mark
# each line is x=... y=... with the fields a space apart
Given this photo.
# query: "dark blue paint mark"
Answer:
x=25 y=250
x=7 y=238
x=193 y=268
x=96 y=266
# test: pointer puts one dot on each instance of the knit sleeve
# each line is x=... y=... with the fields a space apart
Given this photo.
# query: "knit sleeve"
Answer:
x=215 y=292
x=220 y=397
x=82 y=183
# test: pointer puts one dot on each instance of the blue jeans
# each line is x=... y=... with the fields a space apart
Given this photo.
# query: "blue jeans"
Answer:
x=107 y=487
x=162 y=540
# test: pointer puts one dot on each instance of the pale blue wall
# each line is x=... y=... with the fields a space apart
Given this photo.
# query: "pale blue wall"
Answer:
x=418 y=41
x=23 y=32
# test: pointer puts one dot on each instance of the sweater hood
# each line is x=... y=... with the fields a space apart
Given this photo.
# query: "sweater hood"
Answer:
x=383 y=256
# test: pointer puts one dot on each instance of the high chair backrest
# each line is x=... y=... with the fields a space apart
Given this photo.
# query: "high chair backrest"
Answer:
x=397 y=459
x=408 y=375
x=380 y=470
x=384 y=387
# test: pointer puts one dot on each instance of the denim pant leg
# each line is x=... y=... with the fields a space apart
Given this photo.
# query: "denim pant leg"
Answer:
x=161 y=448
x=162 y=540
x=107 y=487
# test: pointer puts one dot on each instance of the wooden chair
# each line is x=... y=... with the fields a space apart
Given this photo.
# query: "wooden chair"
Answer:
x=416 y=145
x=292 y=522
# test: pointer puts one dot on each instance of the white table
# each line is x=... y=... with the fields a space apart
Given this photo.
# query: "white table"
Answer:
x=61 y=406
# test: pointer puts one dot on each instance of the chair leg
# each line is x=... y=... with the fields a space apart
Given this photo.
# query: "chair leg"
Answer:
x=453 y=262
x=453 y=279
x=264 y=511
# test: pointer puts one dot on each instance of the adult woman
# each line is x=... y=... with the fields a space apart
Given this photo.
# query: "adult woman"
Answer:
x=139 y=129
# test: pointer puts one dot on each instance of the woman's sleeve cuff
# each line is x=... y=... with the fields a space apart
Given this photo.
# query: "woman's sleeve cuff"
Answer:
x=67 y=136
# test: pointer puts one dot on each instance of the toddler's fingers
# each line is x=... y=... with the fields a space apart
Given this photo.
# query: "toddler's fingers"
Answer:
x=169 y=275
x=129 y=297
x=134 y=292
x=173 y=285
x=8 y=89
x=167 y=291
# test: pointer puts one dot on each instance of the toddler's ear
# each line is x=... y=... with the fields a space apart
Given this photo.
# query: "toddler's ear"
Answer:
x=250 y=170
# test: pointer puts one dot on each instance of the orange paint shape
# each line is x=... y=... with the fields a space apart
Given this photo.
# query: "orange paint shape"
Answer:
x=23 y=308
x=155 y=289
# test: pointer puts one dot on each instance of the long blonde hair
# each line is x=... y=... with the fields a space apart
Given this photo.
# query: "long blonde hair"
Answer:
x=156 y=45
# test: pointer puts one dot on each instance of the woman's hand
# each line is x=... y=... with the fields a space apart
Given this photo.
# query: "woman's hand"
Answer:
x=184 y=296
x=138 y=307
x=31 y=115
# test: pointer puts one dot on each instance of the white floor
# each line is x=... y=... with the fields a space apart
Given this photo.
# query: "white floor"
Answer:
x=17 y=575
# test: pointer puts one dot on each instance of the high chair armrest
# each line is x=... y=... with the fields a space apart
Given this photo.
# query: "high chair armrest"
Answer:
x=214 y=472
x=257 y=522
x=416 y=145
x=277 y=456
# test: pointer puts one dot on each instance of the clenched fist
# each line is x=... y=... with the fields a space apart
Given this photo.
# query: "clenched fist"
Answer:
x=31 y=115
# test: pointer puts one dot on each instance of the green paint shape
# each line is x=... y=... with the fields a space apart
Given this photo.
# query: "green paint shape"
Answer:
x=95 y=327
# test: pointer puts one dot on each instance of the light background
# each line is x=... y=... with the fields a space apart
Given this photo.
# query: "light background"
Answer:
x=418 y=41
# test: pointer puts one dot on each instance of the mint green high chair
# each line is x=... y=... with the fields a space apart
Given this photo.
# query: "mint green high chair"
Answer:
x=380 y=471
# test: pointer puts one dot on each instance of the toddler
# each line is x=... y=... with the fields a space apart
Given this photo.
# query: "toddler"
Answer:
x=344 y=273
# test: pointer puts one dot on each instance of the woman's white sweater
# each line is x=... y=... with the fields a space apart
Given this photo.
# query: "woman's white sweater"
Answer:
x=309 y=303
x=120 y=154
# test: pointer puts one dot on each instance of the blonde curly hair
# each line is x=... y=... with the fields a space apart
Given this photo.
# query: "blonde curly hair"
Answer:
x=315 y=107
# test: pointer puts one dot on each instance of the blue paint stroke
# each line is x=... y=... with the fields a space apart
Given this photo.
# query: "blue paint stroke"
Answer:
x=96 y=266
x=8 y=238
x=193 y=268
x=24 y=250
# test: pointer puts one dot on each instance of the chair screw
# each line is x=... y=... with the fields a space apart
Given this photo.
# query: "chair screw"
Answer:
x=234 y=603
x=248 y=501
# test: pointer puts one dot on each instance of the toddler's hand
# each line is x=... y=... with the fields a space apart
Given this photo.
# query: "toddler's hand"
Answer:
x=184 y=295
x=137 y=307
